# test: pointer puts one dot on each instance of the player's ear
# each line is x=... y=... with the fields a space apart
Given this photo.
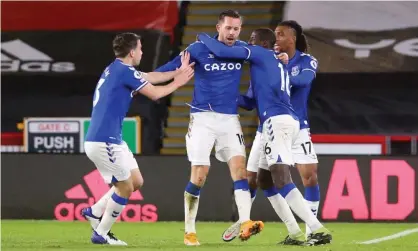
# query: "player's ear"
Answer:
x=294 y=39
x=218 y=27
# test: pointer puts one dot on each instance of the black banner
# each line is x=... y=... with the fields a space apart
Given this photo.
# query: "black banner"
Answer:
x=365 y=51
x=73 y=52
x=59 y=186
x=364 y=103
x=380 y=36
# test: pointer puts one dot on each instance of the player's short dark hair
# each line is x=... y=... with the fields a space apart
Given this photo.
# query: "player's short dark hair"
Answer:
x=266 y=35
x=301 y=41
x=229 y=13
x=125 y=42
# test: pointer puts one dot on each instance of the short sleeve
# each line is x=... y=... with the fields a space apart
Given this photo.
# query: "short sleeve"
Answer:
x=309 y=64
x=134 y=79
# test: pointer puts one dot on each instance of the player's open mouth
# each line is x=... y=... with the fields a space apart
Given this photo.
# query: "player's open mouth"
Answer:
x=230 y=39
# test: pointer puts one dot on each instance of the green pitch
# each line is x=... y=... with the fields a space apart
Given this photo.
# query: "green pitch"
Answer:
x=63 y=236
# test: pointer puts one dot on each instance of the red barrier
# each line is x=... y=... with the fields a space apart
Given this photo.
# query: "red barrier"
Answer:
x=83 y=15
x=12 y=139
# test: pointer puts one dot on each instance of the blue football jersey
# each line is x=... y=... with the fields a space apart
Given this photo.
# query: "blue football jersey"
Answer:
x=272 y=93
x=216 y=80
x=111 y=101
x=302 y=71
x=247 y=102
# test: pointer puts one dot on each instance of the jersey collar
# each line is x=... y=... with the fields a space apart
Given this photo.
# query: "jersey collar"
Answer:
x=120 y=61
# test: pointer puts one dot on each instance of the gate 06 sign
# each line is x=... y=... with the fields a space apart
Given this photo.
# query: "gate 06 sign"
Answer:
x=53 y=136
x=66 y=135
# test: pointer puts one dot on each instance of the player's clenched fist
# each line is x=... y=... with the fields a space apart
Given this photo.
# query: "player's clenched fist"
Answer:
x=284 y=57
x=276 y=48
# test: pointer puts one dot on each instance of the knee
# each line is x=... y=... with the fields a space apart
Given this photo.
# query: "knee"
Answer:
x=137 y=179
x=311 y=181
x=138 y=183
x=125 y=188
x=310 y=175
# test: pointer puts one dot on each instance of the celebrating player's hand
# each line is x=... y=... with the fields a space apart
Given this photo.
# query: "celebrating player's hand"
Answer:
x=185 y=61
x=284 y=58
x=184 y=76
x=276 y=48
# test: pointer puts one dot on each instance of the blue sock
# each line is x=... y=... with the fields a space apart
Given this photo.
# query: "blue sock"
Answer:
x=284 y=191
x=120 y=200
x=241 y=184
x=192 y=189
x=271 y=191
x=253 y=192
x=312 y=193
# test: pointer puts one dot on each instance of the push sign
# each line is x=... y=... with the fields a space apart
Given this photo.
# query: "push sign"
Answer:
x=53 y=136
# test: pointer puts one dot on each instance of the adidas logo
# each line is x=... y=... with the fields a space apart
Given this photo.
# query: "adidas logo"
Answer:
x=70 y=211
x=18 y=56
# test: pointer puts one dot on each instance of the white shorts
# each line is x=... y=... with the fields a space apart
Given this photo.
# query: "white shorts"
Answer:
x=279 y=133
x=303 y=150
x=114 y=162
x=207 y=129
x=255 y=154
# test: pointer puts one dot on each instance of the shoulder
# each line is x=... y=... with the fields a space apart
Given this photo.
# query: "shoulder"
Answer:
x=194 y=49
x=195 y=46
x=130 y=71
x=257 y=49
x=240 y=43
x=308 y=59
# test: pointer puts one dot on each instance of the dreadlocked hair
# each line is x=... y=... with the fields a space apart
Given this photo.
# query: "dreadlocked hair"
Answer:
x=301 y=41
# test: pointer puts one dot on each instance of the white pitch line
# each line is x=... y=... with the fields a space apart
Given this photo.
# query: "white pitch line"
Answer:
x=391 y=237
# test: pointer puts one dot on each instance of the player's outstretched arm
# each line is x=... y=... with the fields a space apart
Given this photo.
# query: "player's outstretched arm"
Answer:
x=176 y=62
x=160 y=77
x=223 y=51
x=303 y=79
x=170 y=66
x=157 y=92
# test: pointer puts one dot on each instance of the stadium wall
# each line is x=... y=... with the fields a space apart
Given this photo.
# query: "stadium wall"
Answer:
x=353 y=188
x=340 y=103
